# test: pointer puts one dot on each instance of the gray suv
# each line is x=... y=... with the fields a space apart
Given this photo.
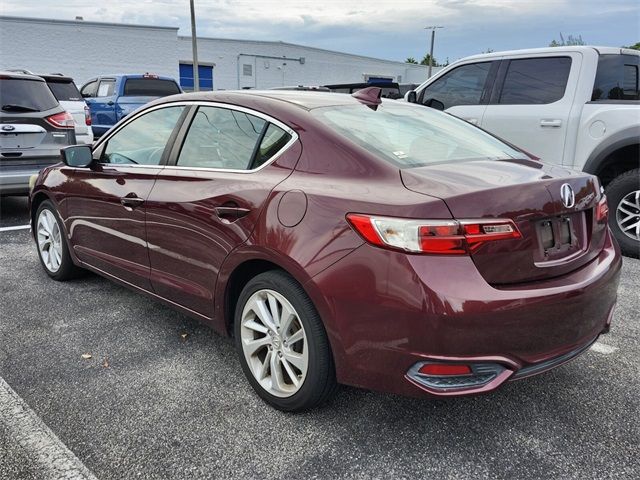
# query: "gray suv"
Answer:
x=33 y=129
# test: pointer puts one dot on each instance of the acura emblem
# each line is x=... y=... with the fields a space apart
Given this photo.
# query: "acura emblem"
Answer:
x=8 y=128
x=568 y=197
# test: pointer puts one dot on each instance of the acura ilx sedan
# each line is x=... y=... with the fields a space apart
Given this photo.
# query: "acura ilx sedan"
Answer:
x=339 y=239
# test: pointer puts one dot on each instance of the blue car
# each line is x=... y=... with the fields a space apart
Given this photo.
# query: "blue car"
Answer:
x=113 y=97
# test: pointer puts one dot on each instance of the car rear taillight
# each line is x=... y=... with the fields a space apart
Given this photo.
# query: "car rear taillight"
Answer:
x=61 y=120
x=87 y=116
x=443 y=237
x=602 y=210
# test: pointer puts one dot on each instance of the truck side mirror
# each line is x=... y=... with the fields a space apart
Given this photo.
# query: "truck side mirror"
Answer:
x=77 y=156
x=433 y=103
x=412 y=97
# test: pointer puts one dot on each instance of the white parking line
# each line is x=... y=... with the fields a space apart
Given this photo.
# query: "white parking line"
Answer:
x=603 y=348
x=18 y=227
x=51 y=458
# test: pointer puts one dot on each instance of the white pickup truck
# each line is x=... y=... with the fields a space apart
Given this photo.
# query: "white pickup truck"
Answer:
x=574 y=106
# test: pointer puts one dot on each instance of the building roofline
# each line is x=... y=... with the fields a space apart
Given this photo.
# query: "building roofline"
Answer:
x=298 y=45
x=85 y=22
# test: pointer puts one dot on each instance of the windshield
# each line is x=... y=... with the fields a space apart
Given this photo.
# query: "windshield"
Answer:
x=17 y=94
x=410 y=136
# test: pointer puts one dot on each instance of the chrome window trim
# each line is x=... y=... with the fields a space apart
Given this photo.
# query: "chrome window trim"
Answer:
x=204 y=103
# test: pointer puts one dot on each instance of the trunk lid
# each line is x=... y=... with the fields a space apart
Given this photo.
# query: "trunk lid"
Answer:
x=556 y=239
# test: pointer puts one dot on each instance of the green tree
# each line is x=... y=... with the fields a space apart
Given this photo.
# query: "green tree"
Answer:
x=425 y=61
x=411 y=60
x=634 y=47
x=568 y=42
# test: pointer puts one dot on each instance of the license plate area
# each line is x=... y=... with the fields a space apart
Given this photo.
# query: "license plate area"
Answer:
x=561 y=238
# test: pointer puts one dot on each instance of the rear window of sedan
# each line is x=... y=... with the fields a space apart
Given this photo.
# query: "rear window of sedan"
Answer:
x=412 y=136
x=25 y=95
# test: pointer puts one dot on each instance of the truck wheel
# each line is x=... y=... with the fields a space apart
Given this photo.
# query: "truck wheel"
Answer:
x=623 y=195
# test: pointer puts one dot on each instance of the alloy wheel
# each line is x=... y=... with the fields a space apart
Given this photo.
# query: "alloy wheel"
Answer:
x=628 y=215
x=274 y=343
x=49 y=240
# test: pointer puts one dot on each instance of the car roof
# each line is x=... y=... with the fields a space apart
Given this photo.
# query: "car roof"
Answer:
x=307 y=100
x=20 y=76
x=562 y=49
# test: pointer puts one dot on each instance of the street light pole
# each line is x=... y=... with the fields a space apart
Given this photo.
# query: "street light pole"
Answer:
x=194 y=46
x=433 y=38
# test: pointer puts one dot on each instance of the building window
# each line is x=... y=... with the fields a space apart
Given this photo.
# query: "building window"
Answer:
x=247 y=69
x=205 y=74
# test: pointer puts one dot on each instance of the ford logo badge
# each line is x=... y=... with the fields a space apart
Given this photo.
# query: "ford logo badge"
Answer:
x=8 y=128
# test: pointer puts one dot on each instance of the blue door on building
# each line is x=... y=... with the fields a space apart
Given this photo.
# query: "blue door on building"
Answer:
x=205 y=73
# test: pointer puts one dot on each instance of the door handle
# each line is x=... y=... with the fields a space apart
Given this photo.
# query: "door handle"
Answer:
x=231 y=213
x=551 y=123
x=110 y=103
x=131 y=202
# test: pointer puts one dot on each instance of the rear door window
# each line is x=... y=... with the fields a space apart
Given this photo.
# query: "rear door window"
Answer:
x=221 y=138
x=616 y=78
x=65 y=91
x=23 y=95
x=149 y=87
x=273 y=141
x=535 y=81
x=463 y=85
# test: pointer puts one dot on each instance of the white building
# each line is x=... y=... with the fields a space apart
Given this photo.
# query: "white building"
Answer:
x=83 y=50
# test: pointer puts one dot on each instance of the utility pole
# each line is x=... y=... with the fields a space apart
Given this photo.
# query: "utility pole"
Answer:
x=194 y=46
x=433 y=38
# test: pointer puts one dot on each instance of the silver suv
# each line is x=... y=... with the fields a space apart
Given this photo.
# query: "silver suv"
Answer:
x=33 y=129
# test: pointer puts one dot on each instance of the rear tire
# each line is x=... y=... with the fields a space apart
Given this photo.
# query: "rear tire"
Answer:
x=623 y=196
x=51 y=243
x=287 y=359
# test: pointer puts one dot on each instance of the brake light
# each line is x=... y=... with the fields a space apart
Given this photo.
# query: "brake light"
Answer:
x=61 y=120
x=602 y=210
x=443 y=237
x=87 y=116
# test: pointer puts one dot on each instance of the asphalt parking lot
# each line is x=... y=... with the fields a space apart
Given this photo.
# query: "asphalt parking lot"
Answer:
x=164 y=397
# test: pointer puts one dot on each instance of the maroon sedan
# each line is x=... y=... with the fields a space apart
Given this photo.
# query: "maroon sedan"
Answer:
x=339 y=239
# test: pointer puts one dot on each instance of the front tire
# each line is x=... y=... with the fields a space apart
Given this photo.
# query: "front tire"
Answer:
x=53 y=250
x=623 y=195
x=282 y=345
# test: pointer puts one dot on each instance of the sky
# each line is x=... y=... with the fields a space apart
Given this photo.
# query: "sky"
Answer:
x=390 y=29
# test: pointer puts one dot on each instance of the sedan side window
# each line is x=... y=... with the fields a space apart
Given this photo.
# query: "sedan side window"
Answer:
x=461 y=86
x=221 y=138
x=273 y=141
x=143 y=140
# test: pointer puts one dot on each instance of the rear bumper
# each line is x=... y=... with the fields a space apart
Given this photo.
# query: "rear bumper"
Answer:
x=14 y=179
x=85 y=138
x=404 y=310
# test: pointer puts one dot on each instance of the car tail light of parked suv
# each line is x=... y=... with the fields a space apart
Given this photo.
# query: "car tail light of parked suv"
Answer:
x=449 y=237
x=87 y=116
x=61 y=120
x=602 y=210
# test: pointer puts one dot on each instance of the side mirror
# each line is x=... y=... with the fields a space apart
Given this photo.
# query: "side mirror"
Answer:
x=433 y=103
x=412 y=97
x=77 y=156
